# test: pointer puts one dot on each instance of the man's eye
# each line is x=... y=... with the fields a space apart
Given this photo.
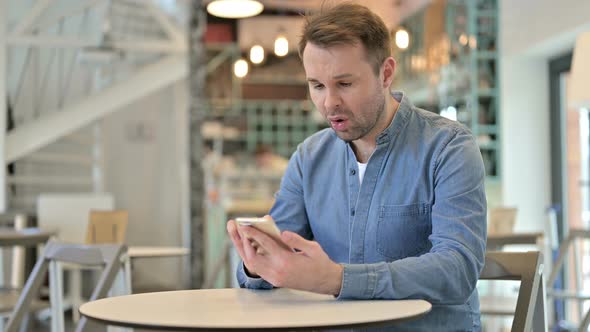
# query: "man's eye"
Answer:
x=345 y=84
x=318 y=86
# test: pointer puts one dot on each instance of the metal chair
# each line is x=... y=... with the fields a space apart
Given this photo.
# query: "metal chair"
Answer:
x=577 y=295
x=104 y=226
x=106 y=255
x=530 y=304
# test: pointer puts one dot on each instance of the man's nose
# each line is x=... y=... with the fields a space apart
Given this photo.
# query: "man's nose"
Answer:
x=332 y=101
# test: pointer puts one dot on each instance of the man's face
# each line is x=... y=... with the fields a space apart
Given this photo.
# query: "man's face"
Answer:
x=345 y=89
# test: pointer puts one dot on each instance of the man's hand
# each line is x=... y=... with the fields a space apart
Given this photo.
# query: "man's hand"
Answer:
x=236 y=239
x=308 y=269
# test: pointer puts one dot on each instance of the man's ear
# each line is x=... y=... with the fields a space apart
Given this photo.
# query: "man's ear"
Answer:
x=388 y=70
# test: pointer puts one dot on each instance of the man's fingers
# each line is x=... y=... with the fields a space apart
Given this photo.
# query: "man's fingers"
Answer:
x=263 y=240
x=235 y=237
x=296 y=241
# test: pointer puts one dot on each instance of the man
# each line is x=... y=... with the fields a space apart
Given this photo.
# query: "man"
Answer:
x=388 y=203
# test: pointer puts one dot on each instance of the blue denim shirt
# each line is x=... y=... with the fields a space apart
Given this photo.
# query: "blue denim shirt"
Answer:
x=414 y=229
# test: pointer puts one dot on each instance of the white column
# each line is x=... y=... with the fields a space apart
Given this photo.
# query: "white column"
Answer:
x=3 y=89
x=181 y=124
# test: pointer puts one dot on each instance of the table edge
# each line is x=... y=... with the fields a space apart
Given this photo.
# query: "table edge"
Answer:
x=381 y=323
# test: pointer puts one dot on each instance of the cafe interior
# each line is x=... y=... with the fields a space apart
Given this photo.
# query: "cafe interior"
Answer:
x=150 y=123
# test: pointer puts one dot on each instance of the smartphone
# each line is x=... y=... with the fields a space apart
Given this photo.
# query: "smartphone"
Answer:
x=267 y=226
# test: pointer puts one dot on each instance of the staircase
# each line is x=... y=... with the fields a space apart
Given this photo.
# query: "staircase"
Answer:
x=64 y=75
x=71 y=164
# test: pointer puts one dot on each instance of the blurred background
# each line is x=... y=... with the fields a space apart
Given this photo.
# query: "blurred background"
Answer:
x=185 y=117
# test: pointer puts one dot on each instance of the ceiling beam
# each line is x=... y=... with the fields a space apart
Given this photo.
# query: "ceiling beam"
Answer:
x=167 y=25
x=155 y=46
x=27 y=22
x=73 y=9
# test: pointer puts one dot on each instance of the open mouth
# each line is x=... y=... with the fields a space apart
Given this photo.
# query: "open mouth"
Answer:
x=338 y=123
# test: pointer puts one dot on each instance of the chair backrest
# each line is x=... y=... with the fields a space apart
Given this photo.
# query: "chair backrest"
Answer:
x=68 y=212
x=528 y=268
x=107 y=255
x=502 y=220
x=107 y=227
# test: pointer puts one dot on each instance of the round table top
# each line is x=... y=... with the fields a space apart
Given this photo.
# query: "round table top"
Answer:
x=24 y=237
x=155 y=251
x=223 y=309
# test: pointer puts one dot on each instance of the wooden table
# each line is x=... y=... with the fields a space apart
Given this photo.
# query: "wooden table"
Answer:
x=24 y=237
x=497 y=241
x=155 y=251
x=244 y=309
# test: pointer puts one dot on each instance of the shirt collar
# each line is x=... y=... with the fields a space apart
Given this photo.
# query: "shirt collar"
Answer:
x=399 y=120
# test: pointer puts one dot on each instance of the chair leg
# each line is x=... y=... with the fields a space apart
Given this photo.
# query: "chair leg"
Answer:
x=24 y=326
x=75 y=291
x=585 y=322
x=127 y=263
x=539 y=316
x=56 y=296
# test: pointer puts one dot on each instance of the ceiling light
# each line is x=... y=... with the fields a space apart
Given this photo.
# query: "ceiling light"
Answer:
x=281 y=45
x=463 y=39
x=234 y=8
x=472 y=42
x=402 y=38
x=241 y=68
x=256 y=54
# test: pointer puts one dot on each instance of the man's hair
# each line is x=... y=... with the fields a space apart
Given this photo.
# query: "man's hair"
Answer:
x=348 y=24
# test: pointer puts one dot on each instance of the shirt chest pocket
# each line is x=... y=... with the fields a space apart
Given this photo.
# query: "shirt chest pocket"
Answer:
x=403 y=230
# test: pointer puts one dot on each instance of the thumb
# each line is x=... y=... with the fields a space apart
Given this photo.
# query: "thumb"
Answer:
x=296 y=241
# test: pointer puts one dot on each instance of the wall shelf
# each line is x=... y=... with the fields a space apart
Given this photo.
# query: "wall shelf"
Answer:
x=459 y=59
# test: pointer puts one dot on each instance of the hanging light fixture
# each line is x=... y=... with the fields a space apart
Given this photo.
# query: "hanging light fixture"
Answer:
x=256 y=54
x=234 y=8
x=402 y=38
x=241 y=68
x=281 y=45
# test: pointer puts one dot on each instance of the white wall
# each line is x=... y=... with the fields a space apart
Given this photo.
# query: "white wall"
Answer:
x=531 y=33
x=541 y=27
x=142 y=172
x=525 y=139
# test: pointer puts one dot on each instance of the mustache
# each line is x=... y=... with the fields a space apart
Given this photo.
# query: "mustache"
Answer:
x=338 y=113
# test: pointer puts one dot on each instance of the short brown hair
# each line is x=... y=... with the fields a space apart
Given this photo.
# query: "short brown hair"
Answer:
x=348 y=24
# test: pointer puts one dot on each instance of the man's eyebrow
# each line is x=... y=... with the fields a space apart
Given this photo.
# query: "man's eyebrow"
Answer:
x=337 y=77
x=346 y=75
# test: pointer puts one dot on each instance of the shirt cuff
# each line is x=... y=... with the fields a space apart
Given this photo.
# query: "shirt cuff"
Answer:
x=358 y=281
x=248 y=282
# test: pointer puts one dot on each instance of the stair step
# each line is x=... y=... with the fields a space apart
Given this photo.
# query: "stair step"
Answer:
x=58 y=180
x=61 y=158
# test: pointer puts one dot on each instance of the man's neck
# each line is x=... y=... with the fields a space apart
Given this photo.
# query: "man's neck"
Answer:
x=363 y=148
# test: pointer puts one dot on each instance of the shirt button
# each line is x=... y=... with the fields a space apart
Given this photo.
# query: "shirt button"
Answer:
x=352 y=172
x=352 y=212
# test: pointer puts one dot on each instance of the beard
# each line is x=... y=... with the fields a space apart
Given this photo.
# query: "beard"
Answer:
x=362 y=123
